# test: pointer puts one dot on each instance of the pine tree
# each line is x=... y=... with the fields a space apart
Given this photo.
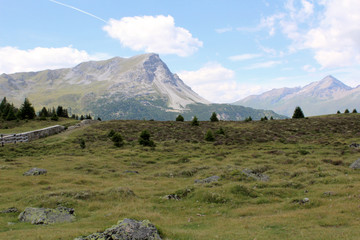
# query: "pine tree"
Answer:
x=144 y=139
x=117 y=139
x=298 y=113
x=27 y=111
x=195 y=121
x=11 y=114
x=347 y=111
x=44 y=113
x=209 y=136
x=213 y=117
x=179 y=118
x=354 y=111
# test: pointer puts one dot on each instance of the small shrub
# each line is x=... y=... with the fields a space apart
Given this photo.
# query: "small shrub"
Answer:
x=354 y=111
x=338 y=112
x=118 y=140
x=220 y=131
x=213 y=117
x=195 y=121
x=179 y=118
x=144 y=139
x=111 y=133
x=347 y=111
x=82 y=143
x=209 y=136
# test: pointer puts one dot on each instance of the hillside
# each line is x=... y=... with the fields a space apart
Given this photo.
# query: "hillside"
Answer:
x=140 y=87
x=289 y=161
x=322 y=97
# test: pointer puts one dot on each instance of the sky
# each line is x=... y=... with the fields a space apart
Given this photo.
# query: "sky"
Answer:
x=224 y=50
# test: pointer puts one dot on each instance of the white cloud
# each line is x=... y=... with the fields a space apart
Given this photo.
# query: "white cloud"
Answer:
x=336 y=40
x=153 y=34
x=267 y=64
x=242 y=57
x=217 y=84
x=13 y=59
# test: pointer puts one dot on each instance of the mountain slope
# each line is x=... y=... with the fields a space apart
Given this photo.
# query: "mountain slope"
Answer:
x=322 y=97
x=119 y=88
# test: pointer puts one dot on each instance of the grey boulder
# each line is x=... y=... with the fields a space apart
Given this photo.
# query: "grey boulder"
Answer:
x=47 y=215
x=356 y=164
x=127 y=229
x=208 y=180
x=35 y=171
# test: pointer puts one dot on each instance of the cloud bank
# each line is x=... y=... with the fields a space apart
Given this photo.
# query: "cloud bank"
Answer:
x=37 y=59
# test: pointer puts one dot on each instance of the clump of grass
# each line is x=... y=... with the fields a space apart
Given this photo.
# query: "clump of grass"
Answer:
x=240 y=190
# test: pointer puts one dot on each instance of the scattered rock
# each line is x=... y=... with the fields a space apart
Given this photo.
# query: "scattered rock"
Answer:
x=172 y=197
x=10 y=210
x=84 y=122
x=208 y=180
x=127 y=229
x=354 y=145
x=328 y=194
x=35 y=171
x=47 y=215
x=256 y=175
x=356 y=164
x=301 y=201
x=131 y=171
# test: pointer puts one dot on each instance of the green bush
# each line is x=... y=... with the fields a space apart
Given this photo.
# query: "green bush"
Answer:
x=248 y=119
x=243 y=191
x=220 y=131
x=144 y=139
x=347 y=111
x=82 y=143
x=117 y=139
x=209 y=136
x=354 y=111
x=111 y=133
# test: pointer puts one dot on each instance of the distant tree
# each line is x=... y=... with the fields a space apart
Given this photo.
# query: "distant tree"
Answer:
x=99 y=119
x=354 y=111
x=81 y=117
x=118 y=140
x=179 y=118
x=209 y=136
x=54 y=117
x=298 y=113
x=213 y=117
x=347 y=111
x=195 y=121
x=264 y=119
x=271 y=118
x=111 y=133
x=220 y=131
x=144 y=139
x=11 y=114
x=27 y=111
x=88 y=116
x=2 y=106
x=44 y=113
x=338 y=112
x=248 y=119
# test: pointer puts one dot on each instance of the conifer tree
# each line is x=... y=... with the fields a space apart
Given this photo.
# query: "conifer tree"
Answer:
x=213 y=117
x=179 y=118
x=27 y=111
x=195 y=121
x=298 y=113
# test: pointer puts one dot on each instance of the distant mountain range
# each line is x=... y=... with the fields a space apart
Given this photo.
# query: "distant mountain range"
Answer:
x=140 y=87
x=318 y=98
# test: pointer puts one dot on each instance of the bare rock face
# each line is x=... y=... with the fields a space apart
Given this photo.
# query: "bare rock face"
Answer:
x=47 y=215
x=35 y=172
x=127 y=229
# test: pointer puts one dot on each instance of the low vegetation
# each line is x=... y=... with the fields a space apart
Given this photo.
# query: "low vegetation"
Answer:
x=280 y=179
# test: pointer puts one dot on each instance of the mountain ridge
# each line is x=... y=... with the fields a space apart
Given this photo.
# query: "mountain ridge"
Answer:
x=317 y=98
x=118 y=88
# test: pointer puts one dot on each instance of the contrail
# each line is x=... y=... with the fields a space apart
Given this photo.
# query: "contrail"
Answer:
x=91 y=15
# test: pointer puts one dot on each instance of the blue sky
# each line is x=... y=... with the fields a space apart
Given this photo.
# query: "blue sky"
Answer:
x=224 y=49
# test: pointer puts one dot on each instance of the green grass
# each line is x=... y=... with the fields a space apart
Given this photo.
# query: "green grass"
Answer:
x=303 y=158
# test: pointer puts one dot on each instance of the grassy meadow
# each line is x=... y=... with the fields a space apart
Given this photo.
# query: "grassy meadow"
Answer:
x=304 y=158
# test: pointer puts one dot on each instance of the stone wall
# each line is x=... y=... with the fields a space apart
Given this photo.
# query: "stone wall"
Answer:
x=32 y=135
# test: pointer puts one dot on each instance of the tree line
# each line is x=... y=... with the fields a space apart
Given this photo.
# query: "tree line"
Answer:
x=9 y=112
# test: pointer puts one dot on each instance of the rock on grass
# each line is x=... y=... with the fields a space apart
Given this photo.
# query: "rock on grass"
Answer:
x=47 y=215
x=127 y=229
x=35 y=171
